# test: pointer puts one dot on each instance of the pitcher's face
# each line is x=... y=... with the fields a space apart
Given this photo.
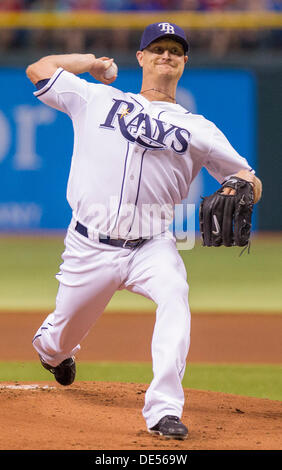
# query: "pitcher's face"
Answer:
x=164 y=57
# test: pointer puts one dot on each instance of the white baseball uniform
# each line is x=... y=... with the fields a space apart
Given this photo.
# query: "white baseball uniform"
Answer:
x=133 y=160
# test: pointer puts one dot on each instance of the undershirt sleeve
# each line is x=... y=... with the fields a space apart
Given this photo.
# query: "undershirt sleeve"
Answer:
x=63 y=91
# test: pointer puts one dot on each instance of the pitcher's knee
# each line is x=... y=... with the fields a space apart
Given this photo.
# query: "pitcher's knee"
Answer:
x=175 y=289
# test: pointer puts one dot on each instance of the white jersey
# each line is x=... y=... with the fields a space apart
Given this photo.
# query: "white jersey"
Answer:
x=133 y=159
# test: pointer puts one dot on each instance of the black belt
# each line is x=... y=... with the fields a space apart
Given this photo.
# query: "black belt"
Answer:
x=119 y=242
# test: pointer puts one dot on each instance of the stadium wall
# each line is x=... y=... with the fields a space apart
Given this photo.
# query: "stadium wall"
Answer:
x=36 y=141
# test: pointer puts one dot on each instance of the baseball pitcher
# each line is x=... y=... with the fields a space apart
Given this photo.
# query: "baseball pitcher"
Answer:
x=134 y=152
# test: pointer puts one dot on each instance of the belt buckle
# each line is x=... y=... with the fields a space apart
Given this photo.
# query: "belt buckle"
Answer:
x=133 y=243
x=125 y=243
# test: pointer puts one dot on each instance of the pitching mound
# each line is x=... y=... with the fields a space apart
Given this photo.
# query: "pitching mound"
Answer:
x=107 y=416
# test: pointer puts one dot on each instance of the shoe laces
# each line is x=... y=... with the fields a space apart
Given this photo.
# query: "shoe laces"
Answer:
x=173 y=418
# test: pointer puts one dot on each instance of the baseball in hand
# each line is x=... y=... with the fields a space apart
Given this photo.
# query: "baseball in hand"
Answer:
x=111 y=71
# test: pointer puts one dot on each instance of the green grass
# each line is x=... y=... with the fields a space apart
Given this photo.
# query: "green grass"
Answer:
x=261 y=381
x=222 y=281
x=219 y=279
x=29 y=265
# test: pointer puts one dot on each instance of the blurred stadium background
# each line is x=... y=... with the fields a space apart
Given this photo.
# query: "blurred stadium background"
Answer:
x=233 y=77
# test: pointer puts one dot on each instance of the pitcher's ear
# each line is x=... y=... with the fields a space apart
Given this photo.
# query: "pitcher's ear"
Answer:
x=139 y=56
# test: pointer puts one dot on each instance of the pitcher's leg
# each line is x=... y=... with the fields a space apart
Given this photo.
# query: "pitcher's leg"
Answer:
x=88 y=279
x=158 y=273
x=77 y=310
x=170 y=345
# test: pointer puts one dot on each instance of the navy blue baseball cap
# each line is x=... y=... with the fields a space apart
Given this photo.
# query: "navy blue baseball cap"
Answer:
x=163 y=30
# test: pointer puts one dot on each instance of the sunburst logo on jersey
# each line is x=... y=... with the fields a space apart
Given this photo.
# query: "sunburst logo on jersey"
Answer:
x=124 y=112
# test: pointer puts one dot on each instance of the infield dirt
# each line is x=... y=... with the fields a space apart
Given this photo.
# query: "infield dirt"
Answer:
x=107 y=416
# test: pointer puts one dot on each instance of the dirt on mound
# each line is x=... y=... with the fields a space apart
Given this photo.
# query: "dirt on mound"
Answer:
x=107 y=416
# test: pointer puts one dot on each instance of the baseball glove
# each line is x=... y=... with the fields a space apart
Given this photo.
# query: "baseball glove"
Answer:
x=227 y=219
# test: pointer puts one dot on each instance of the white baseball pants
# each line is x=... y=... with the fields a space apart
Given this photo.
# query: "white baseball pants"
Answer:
x=90 y=274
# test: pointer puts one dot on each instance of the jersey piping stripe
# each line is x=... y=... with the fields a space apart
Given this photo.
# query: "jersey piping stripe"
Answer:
x=160 y=114
x=138 y=189
x=122 y=185
x=37 y=336
x=142 y=107
x=45 y=91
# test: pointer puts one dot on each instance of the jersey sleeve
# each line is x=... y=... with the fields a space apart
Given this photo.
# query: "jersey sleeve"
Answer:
x=64 y=91
x=223 y=160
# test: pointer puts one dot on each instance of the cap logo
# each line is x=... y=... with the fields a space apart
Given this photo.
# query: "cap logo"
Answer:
x=166 y=28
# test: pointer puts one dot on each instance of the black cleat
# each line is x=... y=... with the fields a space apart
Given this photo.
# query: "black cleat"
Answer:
x=64 y=373
x=170 y=427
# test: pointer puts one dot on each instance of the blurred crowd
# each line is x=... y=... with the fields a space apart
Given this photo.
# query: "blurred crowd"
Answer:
x=141 y=5
x=217 y=42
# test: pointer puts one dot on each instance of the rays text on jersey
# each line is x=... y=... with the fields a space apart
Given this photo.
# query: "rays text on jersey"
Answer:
x=151 y=133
